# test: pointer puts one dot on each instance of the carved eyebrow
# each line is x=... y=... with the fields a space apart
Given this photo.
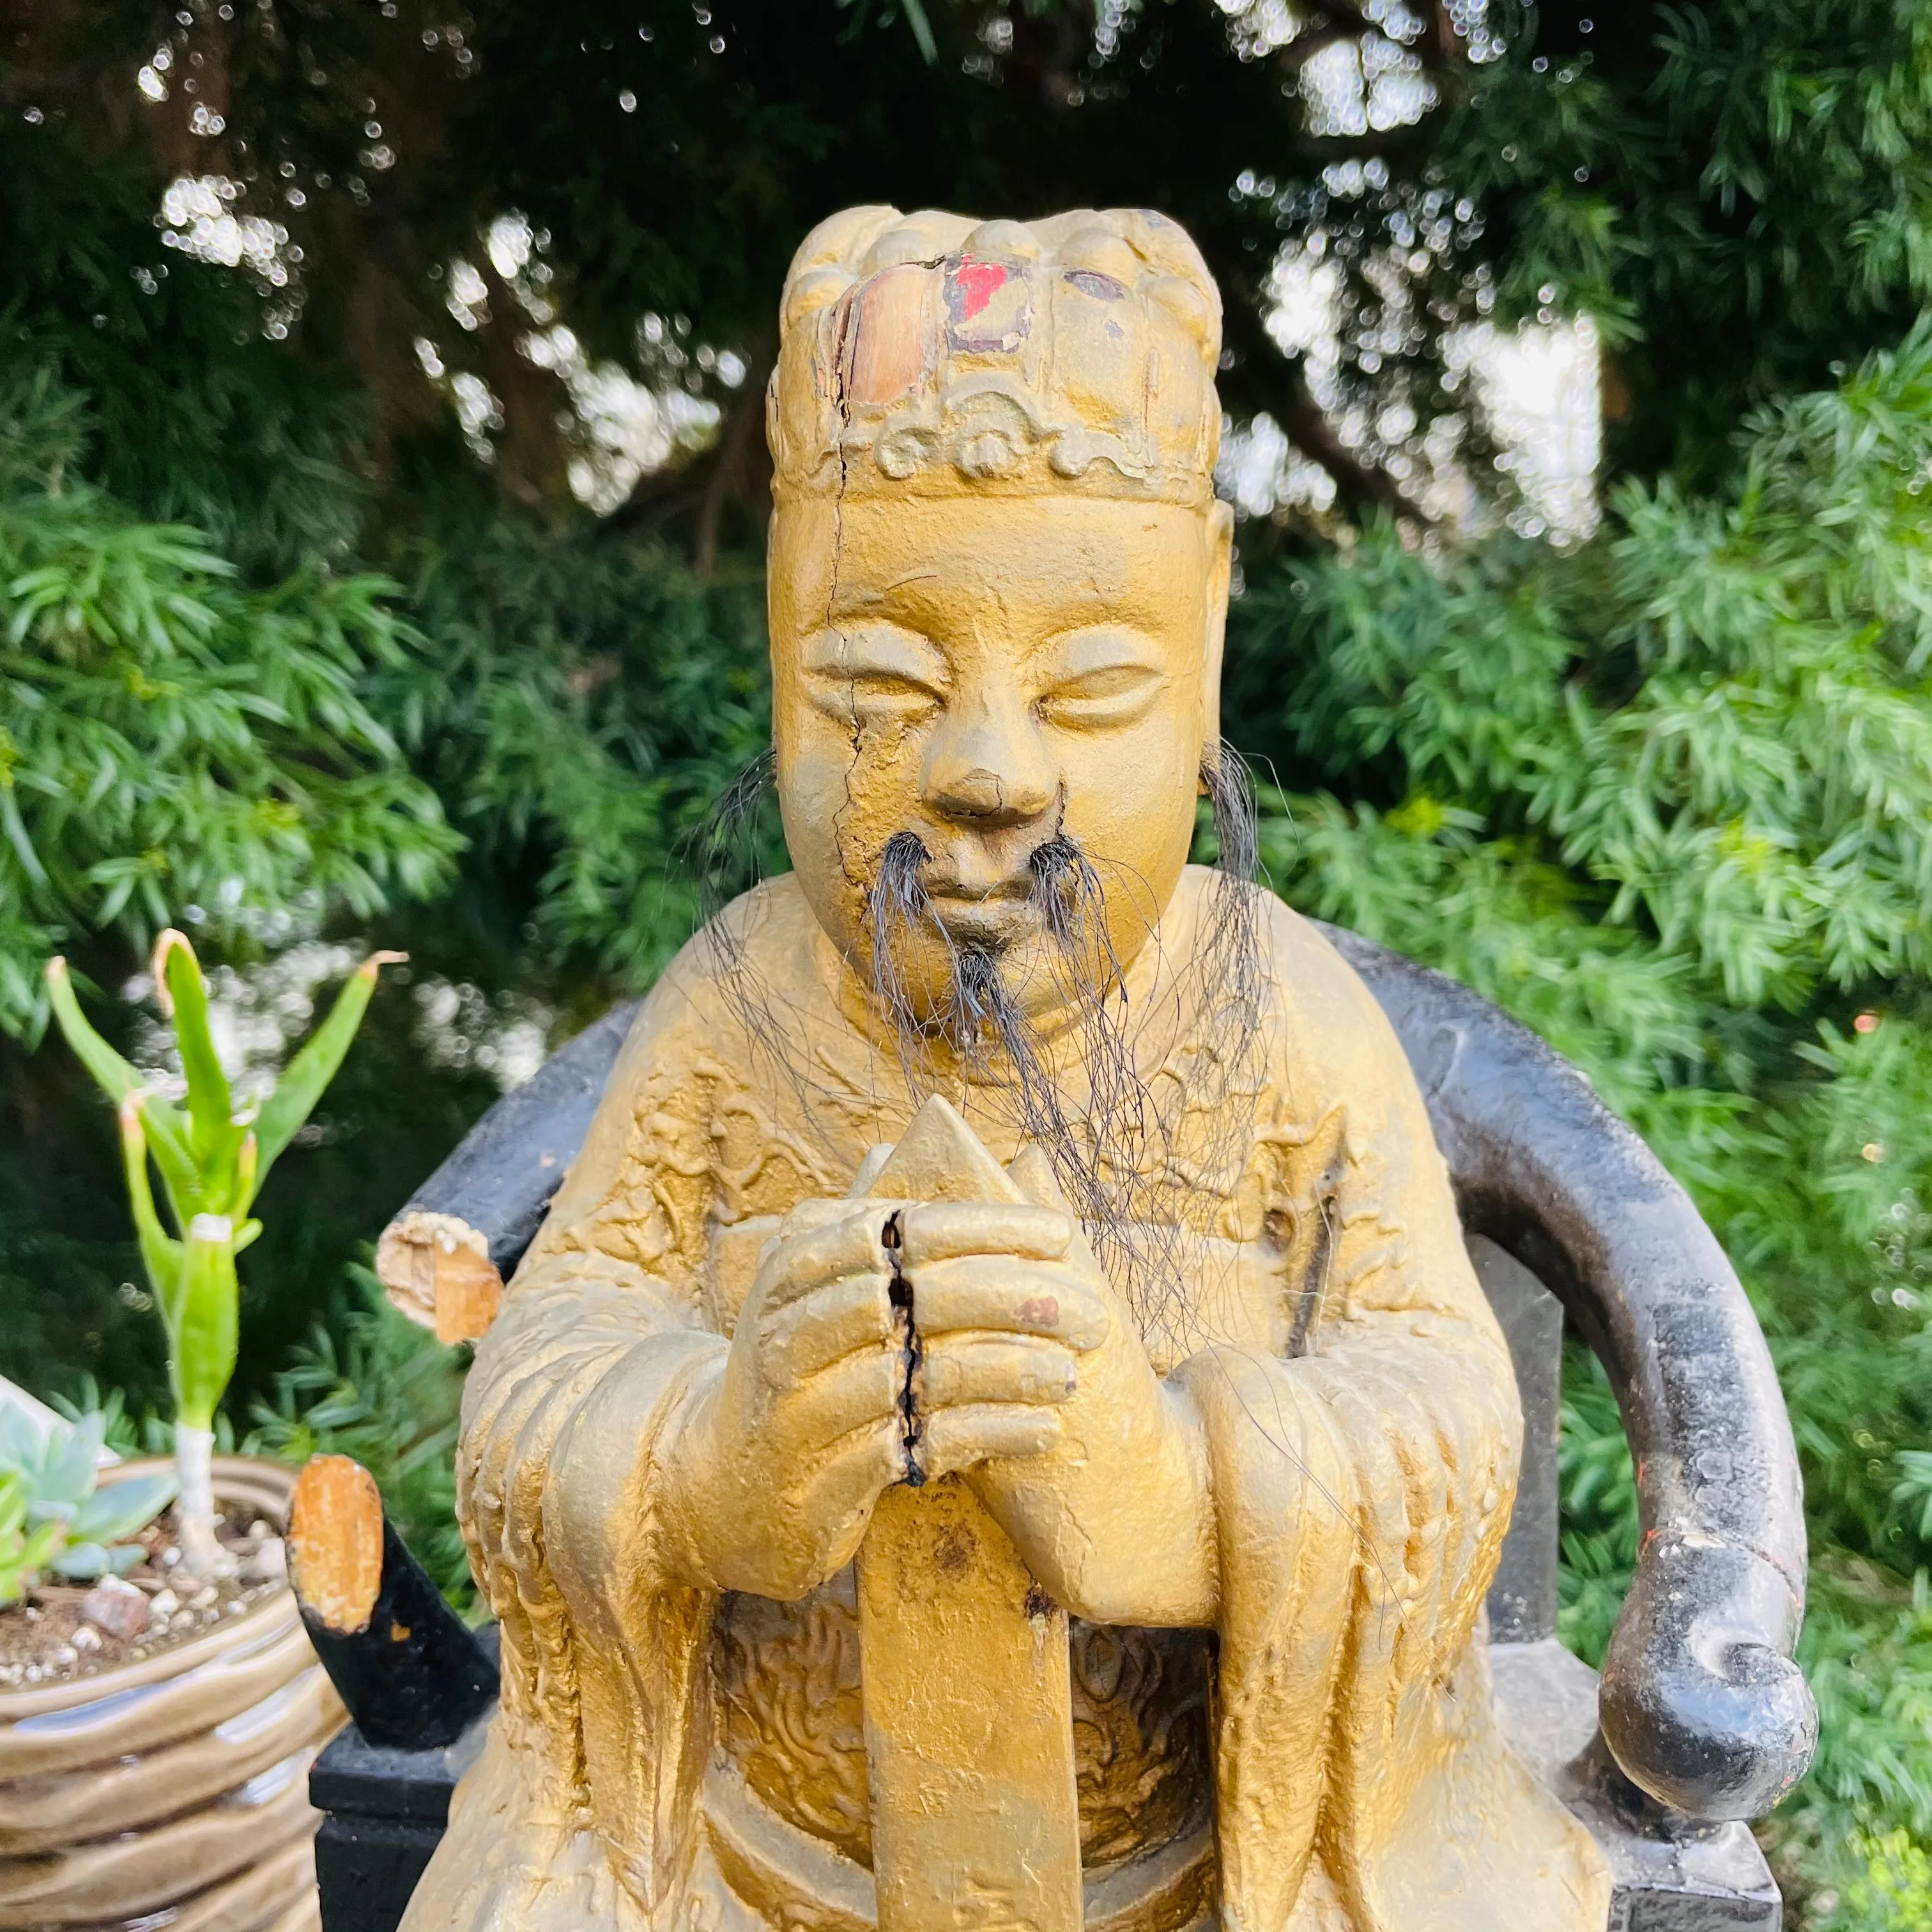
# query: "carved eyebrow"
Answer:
x=874 y=650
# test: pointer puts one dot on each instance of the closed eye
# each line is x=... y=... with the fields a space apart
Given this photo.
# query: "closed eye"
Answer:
x=874 y=672
x=883 y=694
x=1109 y=695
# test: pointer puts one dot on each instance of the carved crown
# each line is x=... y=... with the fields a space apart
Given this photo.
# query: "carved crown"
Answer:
x=928 y=353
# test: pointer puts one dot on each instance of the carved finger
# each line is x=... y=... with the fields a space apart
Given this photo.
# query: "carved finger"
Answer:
x=849 y=1481
x=855 y=1393
x=804 y=1335
x=993 y=1291
x=957 y=1439
x=965 y=1368
x=796 y=1263
x=820 y=1212
x=938 y=1230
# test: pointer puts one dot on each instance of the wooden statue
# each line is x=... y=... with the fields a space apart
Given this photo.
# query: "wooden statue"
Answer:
x=999 y=1430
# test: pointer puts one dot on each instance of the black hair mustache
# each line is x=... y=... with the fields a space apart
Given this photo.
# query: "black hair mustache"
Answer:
x=1115 y=1145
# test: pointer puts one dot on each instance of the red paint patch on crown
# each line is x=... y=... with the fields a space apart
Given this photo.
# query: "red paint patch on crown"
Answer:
x=978 y=283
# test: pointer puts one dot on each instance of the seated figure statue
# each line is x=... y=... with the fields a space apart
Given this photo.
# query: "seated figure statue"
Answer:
x=999 y=1429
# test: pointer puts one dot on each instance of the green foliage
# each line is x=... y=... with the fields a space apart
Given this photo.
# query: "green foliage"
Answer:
x=387 y=1394
x=1714 y=723
x=173 y=743
x=211 y=1158
x=1741 y=194
x=1894 y=1893
x=1599 y=1501
x=589 y=701
x=75 y=1526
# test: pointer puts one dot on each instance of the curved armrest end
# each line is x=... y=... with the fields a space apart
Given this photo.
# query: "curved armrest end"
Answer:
x=1700 y=1705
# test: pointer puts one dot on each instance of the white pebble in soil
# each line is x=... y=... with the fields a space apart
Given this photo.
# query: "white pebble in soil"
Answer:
x=268 y=1563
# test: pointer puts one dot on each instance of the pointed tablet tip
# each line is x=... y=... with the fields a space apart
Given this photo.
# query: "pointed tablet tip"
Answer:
x=939 y=1158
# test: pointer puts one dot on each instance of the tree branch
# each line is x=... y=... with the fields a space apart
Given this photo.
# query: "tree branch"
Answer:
x=1303 y=418
x=747 y=417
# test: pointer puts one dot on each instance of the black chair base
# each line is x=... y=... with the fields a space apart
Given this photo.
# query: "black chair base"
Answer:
x=385 y=1812
x=1670 y=1873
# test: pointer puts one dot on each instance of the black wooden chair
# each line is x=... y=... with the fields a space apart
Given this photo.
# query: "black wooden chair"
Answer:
x=1701 y=1719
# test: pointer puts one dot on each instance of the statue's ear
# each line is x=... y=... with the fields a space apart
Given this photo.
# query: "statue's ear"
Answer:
x=1220 y=570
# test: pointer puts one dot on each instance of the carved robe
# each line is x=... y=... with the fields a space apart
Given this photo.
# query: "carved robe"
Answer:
x=1326 y=1761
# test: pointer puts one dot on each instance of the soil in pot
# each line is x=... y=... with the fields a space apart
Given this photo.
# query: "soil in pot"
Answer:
x=64 y=1632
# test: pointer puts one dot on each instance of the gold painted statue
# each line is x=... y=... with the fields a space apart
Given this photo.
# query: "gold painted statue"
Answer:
x=999 y=1431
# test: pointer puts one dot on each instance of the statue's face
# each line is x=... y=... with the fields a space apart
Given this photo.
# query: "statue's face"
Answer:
x=987 y=673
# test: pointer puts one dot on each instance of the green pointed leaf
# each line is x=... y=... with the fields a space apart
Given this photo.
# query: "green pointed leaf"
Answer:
x=311 y=1070
x=160 y=1252
x=79 y=1562
x=41 y=1544
x=922 y=32
x=118 y=1511
x=211 y=1106
x=19 y=1441
x=68 y=1472
x=167 y=1130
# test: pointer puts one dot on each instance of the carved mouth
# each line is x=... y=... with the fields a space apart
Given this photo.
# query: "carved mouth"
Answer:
x=993 y=919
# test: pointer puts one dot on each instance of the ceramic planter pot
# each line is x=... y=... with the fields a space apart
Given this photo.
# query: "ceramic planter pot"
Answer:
x=173 y=1791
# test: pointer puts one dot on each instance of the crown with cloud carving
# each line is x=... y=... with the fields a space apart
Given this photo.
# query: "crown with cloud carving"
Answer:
x=930 y=354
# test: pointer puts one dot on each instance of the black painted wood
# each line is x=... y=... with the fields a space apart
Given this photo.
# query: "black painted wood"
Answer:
x=416 y=1677
x=1522 y=1595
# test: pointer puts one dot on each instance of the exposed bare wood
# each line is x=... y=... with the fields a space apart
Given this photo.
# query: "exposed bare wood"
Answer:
x=437 y=1271
x=335 y=1542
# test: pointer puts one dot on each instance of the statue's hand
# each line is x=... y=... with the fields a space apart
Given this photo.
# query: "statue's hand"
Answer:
x=770 y=1474
x=1113 y=1514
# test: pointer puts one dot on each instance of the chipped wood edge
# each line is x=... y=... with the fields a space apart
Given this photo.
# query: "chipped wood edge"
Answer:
x=437 y=1270
x=335 y=1542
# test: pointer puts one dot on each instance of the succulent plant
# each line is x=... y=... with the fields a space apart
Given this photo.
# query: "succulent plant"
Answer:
x=24 y=1553
x=212 y=1160
x=55 y=1516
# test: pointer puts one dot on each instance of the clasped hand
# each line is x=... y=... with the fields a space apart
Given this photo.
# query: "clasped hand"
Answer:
x=1030 y=1381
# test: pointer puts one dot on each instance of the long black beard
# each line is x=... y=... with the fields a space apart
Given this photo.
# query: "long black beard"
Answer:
x=1143 y=1154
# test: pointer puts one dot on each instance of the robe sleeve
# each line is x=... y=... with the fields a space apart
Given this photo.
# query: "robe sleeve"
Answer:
x=585 y=1369
x=1362 y=1490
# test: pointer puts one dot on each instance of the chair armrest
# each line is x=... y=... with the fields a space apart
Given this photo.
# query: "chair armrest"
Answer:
x=1701 y=1704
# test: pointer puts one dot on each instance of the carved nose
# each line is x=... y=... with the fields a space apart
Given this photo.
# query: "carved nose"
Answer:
x=991 y=777
x=987 y=797
x=975 y=794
